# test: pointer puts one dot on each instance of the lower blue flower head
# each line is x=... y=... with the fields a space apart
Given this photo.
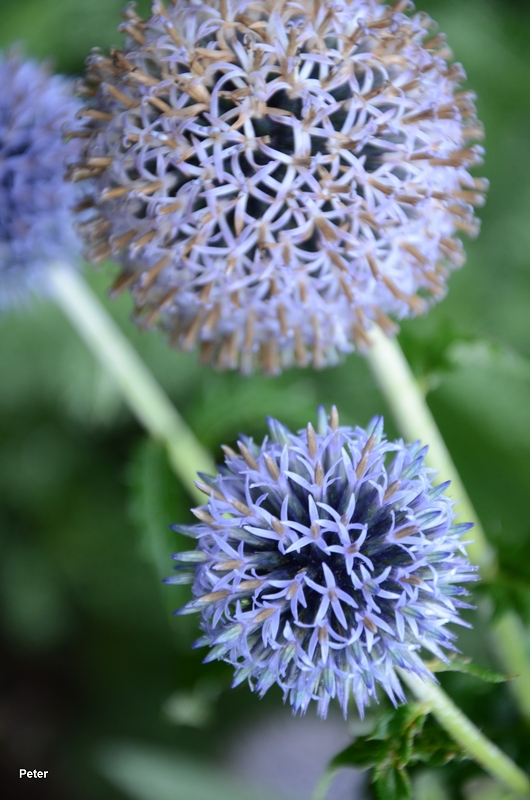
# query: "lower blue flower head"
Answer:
x=325 y=559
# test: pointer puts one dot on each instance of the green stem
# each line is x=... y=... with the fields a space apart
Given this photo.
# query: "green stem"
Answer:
x=467 y=735
x=143 y=394
x=415 y=421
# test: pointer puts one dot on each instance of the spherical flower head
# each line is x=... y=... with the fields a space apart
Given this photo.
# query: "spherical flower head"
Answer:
x=36 y=217
x=274 y=175
x=324 y=561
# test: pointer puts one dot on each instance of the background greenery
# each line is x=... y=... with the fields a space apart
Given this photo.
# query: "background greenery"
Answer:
x=99 y=684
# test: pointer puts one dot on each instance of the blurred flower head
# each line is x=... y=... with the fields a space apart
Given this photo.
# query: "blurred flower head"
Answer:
x=36 y=217
x=274 y=176
x=324 y=561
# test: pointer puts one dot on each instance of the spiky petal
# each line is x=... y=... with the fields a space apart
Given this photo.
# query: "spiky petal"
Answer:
x=324 y=561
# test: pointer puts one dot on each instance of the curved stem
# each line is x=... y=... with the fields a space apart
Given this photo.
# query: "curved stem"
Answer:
x=415 y=421
x=467 y=735
x=144 y=396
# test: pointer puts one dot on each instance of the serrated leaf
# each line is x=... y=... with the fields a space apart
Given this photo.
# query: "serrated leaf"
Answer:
x=466 y=666
x=406 y=718
x=390 y=742
x=404 y=736
x=393 y=784
x=435 y=747
x=362 y=754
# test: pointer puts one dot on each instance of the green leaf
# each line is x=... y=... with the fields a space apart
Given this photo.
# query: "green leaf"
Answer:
x=404 y=736
x=390 y=743
x=435 y=747
x=224 y=420
x=466 y=666
x=407 y=720
x=362 y=754
x=393 y=784
x=153 y=507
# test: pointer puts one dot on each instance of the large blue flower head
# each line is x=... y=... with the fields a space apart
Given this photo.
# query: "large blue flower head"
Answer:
x=36 y=217
x=324 y=561
x=275 y=175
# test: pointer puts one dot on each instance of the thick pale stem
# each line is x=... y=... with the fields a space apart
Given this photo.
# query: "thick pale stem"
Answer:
x=415 y=421
x=467 y=735
x=143 y=394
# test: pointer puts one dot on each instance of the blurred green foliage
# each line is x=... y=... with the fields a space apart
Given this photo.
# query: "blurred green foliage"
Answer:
x=89 y=654
x=146 y=773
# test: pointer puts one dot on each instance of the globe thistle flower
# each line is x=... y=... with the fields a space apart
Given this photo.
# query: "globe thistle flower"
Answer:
x=36 y=218
x=274 y=175
x=325 y=560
